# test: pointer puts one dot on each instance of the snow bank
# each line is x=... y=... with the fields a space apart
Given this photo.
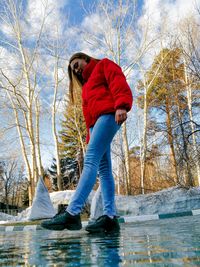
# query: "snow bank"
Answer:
x=42 y=207
x=175 y=199
x=21 y=217
x=61 y=197
x=4 y=216
x=170 y=200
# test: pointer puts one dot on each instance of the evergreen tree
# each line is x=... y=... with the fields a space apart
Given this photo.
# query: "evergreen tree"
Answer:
x=167 y=97
x=73 y=132
x=72 y=144
x=69 y=173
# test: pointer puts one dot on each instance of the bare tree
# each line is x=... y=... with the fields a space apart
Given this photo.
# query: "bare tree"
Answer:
x=11 y=177
x=57 y=49
x=189 y=43
x=143 y=147
x=116 y=38
x=21 y=85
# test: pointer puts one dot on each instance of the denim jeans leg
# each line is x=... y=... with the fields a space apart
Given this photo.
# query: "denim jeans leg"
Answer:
x=101 y=137
x=107 y=184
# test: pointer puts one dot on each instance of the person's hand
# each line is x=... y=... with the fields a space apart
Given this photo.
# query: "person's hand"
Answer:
x=120 y=116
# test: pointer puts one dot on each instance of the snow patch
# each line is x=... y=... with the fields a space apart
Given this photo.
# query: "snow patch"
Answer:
x=169 y=200
x=42 y=207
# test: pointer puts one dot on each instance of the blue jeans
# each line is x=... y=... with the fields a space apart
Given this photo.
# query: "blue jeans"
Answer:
x=97 y=158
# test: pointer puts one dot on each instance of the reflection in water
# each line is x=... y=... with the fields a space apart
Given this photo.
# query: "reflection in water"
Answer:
x=104 y=249
x=172 y=242
x=95 y=250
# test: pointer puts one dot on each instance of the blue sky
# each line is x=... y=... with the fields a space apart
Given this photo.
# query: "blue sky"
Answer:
x=67 y=19
x=76 y=12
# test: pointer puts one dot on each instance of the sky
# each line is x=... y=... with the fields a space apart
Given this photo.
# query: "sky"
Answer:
x=77 y=13
x=68 y=20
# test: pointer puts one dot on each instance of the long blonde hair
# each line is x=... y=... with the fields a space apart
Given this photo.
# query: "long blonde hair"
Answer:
x=74 y=80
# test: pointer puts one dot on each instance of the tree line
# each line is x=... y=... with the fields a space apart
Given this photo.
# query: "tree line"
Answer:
x=157 y=147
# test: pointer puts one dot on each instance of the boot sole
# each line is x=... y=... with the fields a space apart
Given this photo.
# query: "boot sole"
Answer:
x=99 y=230
x=73 y=228
x=103 y=230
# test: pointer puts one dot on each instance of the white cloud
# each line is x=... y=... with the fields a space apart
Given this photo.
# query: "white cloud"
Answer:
x=34 y=14
x=9 y=62
x=163 y=20
x=166 y=15
x=7 y=30
x=37 y=10
x=31 y=22
x=93 y=23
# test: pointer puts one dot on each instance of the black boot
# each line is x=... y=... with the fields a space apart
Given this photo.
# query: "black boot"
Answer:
x=103 y=224
x=63 y=221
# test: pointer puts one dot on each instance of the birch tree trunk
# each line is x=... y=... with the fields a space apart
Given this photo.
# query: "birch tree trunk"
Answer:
x=189 y=103
x=55 y=135
x=124 y=130
x=23 y=148
x=113 y=40
x=37 y=117
x=30 y=94
x=126 y=158
x=21 y=88
x=143 y=147
x=144 y=142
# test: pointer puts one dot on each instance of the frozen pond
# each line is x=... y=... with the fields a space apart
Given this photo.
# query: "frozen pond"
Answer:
x=168 y=242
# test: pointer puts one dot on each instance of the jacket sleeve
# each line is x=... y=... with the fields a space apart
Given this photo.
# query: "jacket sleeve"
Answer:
x=118 y=85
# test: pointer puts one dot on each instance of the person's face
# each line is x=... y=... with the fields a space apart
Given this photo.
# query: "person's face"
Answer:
x=78 y=65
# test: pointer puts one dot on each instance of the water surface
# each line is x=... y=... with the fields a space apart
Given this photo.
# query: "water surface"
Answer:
x=169 y=242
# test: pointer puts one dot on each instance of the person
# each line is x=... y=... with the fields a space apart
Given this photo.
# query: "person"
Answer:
x=106 y=99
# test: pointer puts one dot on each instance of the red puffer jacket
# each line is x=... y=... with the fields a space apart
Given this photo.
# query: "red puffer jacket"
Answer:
x=105 y=90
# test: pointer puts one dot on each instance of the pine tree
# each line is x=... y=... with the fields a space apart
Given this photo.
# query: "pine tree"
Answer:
x=73 y=133
x=72 y=143
x=167 y=97
x=69 y=173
